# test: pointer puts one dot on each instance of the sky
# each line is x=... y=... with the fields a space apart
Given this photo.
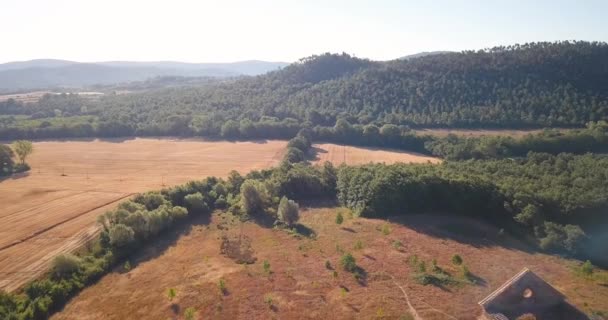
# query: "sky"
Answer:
x=235 y=30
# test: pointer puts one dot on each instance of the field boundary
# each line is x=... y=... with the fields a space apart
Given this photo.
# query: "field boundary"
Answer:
x=39 y=232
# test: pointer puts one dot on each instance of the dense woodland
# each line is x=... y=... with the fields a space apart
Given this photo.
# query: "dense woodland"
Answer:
x=532 y=85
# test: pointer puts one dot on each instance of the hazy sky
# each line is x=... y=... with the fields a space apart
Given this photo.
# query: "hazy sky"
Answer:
x=221 y=31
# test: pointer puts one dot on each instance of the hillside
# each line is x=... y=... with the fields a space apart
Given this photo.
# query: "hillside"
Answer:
x=48 y=73
x=298 y=284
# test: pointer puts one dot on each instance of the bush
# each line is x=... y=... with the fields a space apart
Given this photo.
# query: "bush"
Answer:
x=456 y=260
x=294 y=155
x=559 y=237
x=178 y=212
x=587 y=269
x=152 y=200
x=121 y=236
x=339 y=218
x=348 y=262
x=196 y=203
x=288 y=212
x=64 y=265
x=266 y=266
x=222 y=286
x=21 y=167
x=189 y=313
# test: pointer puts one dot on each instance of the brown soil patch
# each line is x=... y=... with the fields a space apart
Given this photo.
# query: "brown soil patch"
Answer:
x=338 y=154
x=53 y=208
x=302 y=287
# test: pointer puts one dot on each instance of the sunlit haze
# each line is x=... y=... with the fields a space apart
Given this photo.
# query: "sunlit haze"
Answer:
x=223 y=31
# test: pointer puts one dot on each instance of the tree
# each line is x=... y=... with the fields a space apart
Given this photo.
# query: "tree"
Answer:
x=6 y=160
x=289 y=211
x=230 y=129
x=64 y=265
x=196 y=202
x=121 y=235
x=253 y=196
x=528 y=215
x=23 y=148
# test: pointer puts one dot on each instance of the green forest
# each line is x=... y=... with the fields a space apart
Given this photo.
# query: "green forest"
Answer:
x=561 y=84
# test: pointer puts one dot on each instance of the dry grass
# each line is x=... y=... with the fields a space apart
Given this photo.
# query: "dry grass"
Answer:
x=53 y=208
x=338 y=154
x=302 y=287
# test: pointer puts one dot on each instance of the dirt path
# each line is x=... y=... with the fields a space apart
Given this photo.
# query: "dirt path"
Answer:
x=413 y=311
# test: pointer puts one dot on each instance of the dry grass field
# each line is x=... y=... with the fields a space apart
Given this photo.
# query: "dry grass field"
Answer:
x=34 y=96
x=53 y=208
x=338 y=154
x=300 y=286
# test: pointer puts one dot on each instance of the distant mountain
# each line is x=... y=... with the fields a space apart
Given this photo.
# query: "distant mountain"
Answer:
x=38 y=63
x=49 y=73
x=424 y=54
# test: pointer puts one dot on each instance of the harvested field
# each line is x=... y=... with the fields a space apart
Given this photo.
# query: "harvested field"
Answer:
x=53 y=208
x=301 y=286
x=338 y=154
x=34 y=96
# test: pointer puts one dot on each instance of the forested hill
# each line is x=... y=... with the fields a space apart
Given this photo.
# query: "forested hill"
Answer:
x=562 y=84
x=543 y=84
x=534 y=85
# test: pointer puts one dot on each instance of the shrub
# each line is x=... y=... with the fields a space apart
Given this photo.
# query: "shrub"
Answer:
x=268 y=300
x=151 y=200
x=171 y=293
x=266 y=266
x=386 y=230
x=466 y=274
x=196 y=203
x=121 y=235
x=456 y=260
x=64 y=265
x=358 y=245
x=328 y=265
x=289 y=211
x=178 y=212
x=339 y=218
x=397 y=244
x=190 y=313
x=222 y=286
x=221 y=202
x=562 y=237
x=348 y=262
x=422 y=267
x=586 y=268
